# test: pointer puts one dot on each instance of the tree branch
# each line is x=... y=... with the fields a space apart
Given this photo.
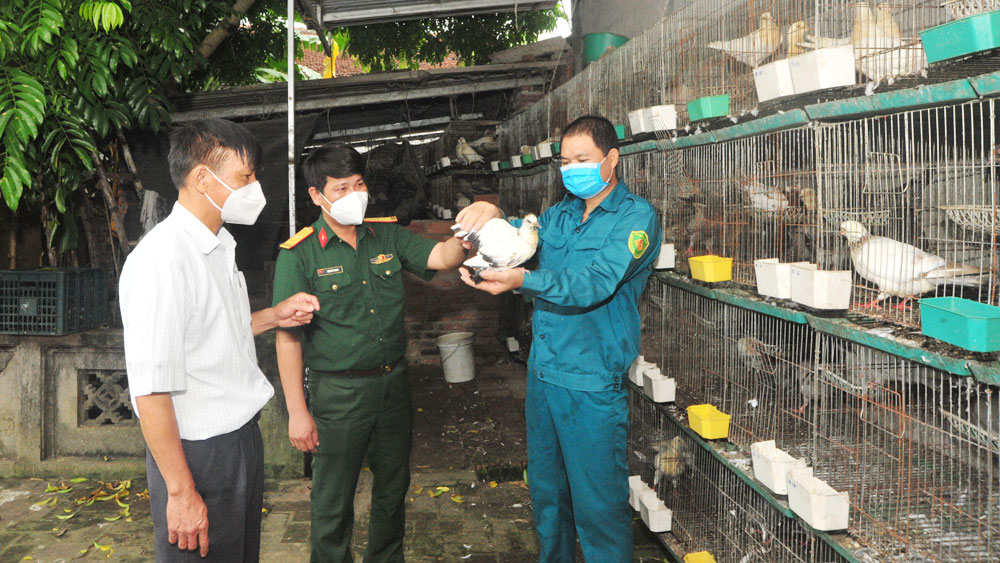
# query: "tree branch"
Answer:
x=222 y=31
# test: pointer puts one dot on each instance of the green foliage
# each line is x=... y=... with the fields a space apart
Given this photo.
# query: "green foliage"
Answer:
x=75 y=72
x=472 y=38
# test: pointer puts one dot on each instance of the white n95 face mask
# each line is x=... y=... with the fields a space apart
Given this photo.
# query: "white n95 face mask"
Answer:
x=348 y=210
x=243 y=206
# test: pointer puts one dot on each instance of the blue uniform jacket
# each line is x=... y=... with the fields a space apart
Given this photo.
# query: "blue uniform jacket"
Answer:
x=587 y=287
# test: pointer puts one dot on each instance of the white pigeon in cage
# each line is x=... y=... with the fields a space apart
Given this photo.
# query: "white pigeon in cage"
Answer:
x=499 y=245
x=754 y=48
x=902 y=270
x=880 y=51
x=465 y=153
x=795 y=38
x=765 y=198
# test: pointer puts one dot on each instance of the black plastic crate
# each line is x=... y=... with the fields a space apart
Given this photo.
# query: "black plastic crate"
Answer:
x=52 y=301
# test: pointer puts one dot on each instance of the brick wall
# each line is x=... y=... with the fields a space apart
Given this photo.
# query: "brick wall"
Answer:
x=445 y=305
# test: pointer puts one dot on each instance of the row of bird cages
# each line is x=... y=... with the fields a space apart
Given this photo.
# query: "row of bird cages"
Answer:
x=909 y=202
x=915 y=448
x=752 y=366
x=713 y=507
x=530 y=193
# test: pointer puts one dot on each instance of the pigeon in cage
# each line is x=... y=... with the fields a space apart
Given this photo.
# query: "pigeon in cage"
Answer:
x=765 y=198
x=487 y=145
x=795 y=38
x=672 y=459
x=499 y=245
x=466 y=154
x=902 y=270
x=880 y=51
x=754 y=48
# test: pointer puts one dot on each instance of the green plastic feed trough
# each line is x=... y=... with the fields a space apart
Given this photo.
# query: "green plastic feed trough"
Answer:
x=962 y=37
x=965 y=323
x=595 y=44
x=708 y=107
x=620 y=131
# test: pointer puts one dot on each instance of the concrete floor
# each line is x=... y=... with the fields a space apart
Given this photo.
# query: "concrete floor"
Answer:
x=463 y=434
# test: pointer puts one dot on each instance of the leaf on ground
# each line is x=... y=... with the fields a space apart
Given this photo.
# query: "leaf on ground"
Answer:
x=493 y=484
x=78 y=480
x=418 y=489
x=61 y=533
x=458 y=498
x=102 y=547
x=65 y=516
x=112 y=518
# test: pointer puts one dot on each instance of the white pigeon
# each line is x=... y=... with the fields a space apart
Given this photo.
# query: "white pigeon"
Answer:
x=465 y=153
x=901 y=269
x=795 y=37
x=880 y=52
x=754 y=48
x=764 y=198
x=486 y=145
x=500 y=246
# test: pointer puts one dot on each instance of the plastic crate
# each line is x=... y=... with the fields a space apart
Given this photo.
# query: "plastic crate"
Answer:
x=965 y=323
x=56 y=301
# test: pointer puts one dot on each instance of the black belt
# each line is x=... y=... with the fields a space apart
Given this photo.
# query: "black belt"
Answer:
x=378 y=370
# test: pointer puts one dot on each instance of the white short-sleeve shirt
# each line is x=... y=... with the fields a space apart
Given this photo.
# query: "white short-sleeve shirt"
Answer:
x=186 y=317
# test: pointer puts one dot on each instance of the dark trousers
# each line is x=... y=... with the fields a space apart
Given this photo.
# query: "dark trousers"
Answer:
x=228 y=473
x=355 y=416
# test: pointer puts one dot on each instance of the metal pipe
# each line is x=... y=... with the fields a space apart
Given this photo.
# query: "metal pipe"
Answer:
x=291 y=117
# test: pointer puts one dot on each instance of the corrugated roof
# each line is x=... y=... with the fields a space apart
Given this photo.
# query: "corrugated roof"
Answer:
x=339 y=13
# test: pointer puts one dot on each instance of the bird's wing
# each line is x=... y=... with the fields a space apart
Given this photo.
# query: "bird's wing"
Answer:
x=507 y=253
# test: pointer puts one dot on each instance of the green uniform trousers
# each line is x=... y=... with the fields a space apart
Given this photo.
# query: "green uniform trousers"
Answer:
x=355 y=416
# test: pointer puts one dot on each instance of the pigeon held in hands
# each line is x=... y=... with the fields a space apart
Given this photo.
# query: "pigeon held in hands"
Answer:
x=500 y=246
x=901 y=269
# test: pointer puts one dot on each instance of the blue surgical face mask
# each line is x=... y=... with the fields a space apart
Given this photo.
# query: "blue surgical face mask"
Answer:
x=584 y=179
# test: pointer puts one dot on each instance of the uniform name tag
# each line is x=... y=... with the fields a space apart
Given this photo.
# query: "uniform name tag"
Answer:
x=381 y=259
x=330 y=270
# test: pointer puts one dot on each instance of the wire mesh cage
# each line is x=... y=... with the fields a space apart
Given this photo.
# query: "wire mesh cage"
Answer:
x=714 y=507
x=909 y=202
x=916 y=449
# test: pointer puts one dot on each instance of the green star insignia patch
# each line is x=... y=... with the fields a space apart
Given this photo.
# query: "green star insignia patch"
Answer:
x=638 y=242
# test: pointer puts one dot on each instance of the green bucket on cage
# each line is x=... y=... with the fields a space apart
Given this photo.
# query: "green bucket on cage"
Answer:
x=594 y=44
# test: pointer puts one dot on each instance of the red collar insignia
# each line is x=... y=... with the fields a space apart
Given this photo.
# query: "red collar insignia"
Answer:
x=323 y=237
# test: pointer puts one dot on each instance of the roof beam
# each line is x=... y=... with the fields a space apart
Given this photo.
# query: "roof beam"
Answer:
x=340 y=13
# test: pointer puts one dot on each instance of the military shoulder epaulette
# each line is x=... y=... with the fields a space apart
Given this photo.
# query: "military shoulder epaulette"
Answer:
x=391 y=219
x=299 y=237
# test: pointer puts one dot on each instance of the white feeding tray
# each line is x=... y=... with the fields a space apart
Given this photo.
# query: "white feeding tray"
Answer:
x=657 y=517
x=816 y=502
x=773 y=80
x=635 y=122
x=495 y=165
x=544 y=150
x=660 y=118
x=515 y=161
x=666 y=259
x=831 y=67
x=771 y=465
x=636 y=370
x=636 y=487
x=658 y=387
x=821 y=289
x=774 y=278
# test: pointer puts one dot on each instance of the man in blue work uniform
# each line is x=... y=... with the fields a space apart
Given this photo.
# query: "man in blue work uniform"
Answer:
x=595 y=255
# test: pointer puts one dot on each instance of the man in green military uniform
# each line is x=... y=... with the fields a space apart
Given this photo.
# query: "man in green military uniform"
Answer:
x=359 y=392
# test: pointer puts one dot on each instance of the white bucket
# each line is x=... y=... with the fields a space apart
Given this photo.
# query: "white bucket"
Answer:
x=456 y=357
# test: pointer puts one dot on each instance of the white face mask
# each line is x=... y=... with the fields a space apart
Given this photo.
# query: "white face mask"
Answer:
x=243 y=206
x=348 y=210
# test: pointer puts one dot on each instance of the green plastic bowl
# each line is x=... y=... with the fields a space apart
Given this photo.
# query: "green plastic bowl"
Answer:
x=962 y=37
x=968 y=324
x=594 y=44
x=708 y=107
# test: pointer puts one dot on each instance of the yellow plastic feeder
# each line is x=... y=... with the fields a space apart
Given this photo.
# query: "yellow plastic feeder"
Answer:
x=699 y=557
x=709 y=422
x=711 y=268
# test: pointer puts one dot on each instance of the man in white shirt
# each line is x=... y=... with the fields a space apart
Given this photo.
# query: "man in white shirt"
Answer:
x=189 y=351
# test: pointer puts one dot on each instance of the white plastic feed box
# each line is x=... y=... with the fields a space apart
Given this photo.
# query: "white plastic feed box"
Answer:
x=495 y=165
x=831 y=67
x=636 y=487
x=773 y=80
x=816 y=502
x=660 y=118
x=774 y=278
x=666 y=259
x=515 y=161
x=657 y=517
x=635 y=122
x=544 y=150
x=771 y=465
x=658 y=387
x=821 y=289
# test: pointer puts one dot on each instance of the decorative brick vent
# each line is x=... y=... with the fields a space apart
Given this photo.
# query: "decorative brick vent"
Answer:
x=103 y=398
